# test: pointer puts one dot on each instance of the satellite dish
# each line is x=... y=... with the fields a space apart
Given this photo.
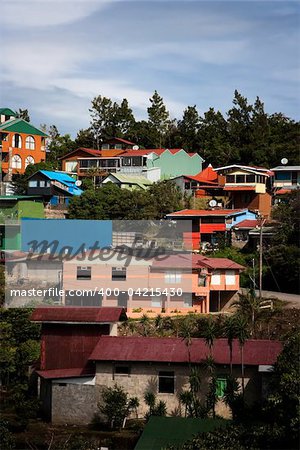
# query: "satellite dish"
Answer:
x=78 y=183
x=284 y=161
x=212 y=203
x=135 y=147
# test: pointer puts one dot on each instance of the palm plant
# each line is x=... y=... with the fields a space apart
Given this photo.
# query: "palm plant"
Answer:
x=242 y=334
x=145 y=322
x=230 y=332
x=186 y=399
x=249 y=307
x=186 y=330
x=209 y=364
x=212 y=398
x=210 y=333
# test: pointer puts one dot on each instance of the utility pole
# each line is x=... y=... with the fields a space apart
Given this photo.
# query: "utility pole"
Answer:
x=262 y=222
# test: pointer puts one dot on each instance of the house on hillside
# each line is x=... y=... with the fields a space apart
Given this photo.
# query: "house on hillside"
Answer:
x=91 y=357
x=56 y=188
x=21 y=144
x=248 y=187
x=117 y=144
x=210 y=225
x=68 y=336
x=153 y=164
x=177 y=284
x=286 y=180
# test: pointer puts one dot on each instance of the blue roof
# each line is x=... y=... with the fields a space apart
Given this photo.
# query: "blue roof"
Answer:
x=63 y=178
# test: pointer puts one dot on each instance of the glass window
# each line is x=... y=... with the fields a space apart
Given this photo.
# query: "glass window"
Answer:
x=29 y=160
x=173 y=277
x=187 y=300
x=230 y=277
x=156 y=301
x=105 y=146
x=216 y=277
x=16 y=162
x=30 y=143
x=84 y=273
x=42 y=183
x=282 y=176
x=118 y=273
x=221 y=386
x=250 y=178
x=17 y=141
x=126 y=162
x=32 y=183
x=229 y=178
x=166 y=382
x=240 y=178
x=122 y=370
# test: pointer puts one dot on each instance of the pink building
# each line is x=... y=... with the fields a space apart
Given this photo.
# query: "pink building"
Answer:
x=176 y=284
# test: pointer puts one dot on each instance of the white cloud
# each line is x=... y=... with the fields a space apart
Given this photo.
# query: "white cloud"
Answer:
x=42 y=13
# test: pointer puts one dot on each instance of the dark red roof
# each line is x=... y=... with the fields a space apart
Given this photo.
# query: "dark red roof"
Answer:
x=205 y=212
x=89 y=151
x=175 y=350
x=247 y=224
x=65 y=373
x=78 y=314
x=124 y=141
x=188 y=260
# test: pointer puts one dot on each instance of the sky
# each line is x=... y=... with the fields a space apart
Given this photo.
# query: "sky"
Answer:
x=56 y=56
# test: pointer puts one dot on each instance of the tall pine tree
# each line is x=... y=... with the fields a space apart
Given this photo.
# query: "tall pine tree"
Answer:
x=158 y=119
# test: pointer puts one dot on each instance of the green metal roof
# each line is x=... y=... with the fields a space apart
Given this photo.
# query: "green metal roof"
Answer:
x=7 y=112
x=21 y=126
x=131 y=179
x=161 y=432
x=19 y=197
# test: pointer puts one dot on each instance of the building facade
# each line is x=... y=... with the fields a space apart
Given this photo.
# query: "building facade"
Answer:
x=21 y=144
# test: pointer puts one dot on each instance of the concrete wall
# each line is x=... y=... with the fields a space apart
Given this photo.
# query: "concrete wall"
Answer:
x=74 y=403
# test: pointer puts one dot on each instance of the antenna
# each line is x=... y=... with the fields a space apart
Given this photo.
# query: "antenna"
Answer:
x=135 y=147
x=78 y=183
x=212 y=203
x=284 y=161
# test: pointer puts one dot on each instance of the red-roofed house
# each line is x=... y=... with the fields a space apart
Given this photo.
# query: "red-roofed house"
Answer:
x=153 y=164
x=68 y=336
x=210 y=225
x=79 y=357
x=177 y=284
x=248 y=187
x=161 y=365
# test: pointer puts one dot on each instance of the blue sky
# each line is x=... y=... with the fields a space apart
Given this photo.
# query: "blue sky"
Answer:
x=57 y=55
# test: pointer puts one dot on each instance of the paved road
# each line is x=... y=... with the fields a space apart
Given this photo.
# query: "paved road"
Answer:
x=293 y=300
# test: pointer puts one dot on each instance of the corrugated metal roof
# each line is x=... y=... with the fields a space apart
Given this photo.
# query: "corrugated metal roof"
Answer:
x=7 y=112
x=61 y=177
x=248 y=223
x=175 y=350
x=284 y=168
x=65 y=373
x=21 y=126
x=77 y=314
x=206 y=212
x=130 y=179
x=195 y=261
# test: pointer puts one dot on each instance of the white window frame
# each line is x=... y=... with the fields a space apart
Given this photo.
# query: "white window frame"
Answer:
x=14 y=141
x=16 y=162
x=27 y=163
x=156 y=301
x=173 y=277
x=216 y=278
x=230 y=277
x=30 y=143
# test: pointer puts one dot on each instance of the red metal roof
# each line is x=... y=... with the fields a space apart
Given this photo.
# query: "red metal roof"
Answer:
x=66 y=373
x=208 y=174
x=247 y=224
x=283 y=191
x=89 y=151
x=239 y=188
x=205 y=212
x=78 y=314
x=175 y=350
x=124 y=141
x=194 y=261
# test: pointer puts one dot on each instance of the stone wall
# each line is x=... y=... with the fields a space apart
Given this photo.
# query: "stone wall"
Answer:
x=144 y=377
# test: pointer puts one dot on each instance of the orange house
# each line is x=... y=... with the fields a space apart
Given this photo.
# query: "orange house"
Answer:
x=21 y=144
x=180 y=284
